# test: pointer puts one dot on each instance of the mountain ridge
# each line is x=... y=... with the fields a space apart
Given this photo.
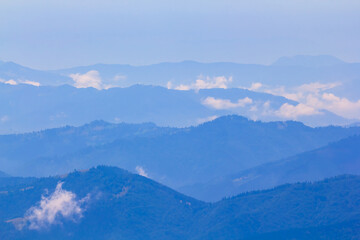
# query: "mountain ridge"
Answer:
x=134 y=207
x=173 y=156
x=340 y=157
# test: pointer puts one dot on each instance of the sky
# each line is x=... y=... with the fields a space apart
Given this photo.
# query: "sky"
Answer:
x=47 y=34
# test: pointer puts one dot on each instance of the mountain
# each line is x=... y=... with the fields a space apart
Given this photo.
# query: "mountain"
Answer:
x=68 y=139
x=288 y=72
x=110 y=203
x=309 y=61
x=285 y=76
x=295 y=68
x=21 y=74
x=28 y=108
x=288 y=211
x=341 y=157
x=175 y=157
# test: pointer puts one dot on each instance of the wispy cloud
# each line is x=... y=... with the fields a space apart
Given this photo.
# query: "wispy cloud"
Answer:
x=61 y=204
x=219 y=103
x=141 y=171
x=313 y=98
x=89 y=79
x=13 y=82
x=293 y=112
x=204 y=83
x=255 y=86
x=207 y=119
x=30 y=83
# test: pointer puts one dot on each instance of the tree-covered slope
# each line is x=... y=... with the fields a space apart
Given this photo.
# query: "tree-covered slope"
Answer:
x=59 y=141
x=294 y=207
x=175 y=157
x=341 y=157
x=110 y=203
x=113 y=204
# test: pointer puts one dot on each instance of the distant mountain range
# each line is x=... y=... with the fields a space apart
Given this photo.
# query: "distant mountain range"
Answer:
x=110 y=203
x=26 y=108
x=173 y=156
x=342 y=157
x=16 y=72
x=287 y=71
x=309 y=61
x=55 y=105
x=220 y=136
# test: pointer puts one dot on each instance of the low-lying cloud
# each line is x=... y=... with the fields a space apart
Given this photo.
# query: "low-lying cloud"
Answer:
x=36 y=84
x=51 y=210
x=293 y=112
x=13 y=82
x=207 y=119
x=255 y=86
x=89 y=79
x=93 y=79
x=141 y=171
x=204 y=83
x=312 y=98
x=10 y=82
x=219 y=104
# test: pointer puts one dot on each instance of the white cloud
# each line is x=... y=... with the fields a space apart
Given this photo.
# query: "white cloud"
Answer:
x=341 y=106
x=31 y=83
x=141 y=171
x=219 y=103
x=255 y=86
x=13 y=82
x=207 y=83
x=317 y=96
x=183 y=87
x=60 y=204
x=169 y=85
x=317 y=87
x=89 y=79
x=293 y=112
x=207 y=119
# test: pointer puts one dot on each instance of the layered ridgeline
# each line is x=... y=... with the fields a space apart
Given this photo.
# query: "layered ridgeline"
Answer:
x=27 y=108
x=342 y=157
x=287 y=72
x=110 y=203
x=15 y=73
x=175 y=157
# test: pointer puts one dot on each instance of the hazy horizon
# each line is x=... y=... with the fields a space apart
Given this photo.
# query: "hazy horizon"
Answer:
x=53 y=35
x=180 y=61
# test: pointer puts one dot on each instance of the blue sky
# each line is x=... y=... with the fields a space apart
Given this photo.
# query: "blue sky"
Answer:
x=49 y=34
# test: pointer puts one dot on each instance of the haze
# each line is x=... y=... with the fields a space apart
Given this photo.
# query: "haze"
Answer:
x=50 y=35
